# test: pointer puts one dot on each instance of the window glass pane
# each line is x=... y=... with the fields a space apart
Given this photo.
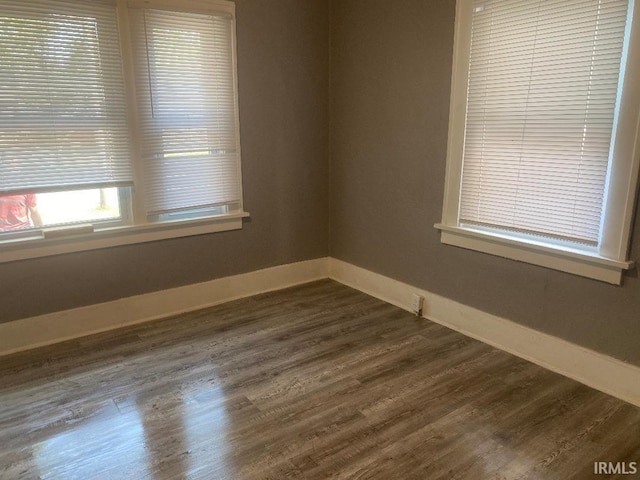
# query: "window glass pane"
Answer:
x=21 y=212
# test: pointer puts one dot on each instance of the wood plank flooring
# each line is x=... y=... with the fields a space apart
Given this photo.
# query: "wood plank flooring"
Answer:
x=318 y=381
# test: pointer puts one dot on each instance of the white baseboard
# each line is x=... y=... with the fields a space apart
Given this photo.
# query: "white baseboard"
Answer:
x=599 y=371
x=57 y=327
x=604 y=373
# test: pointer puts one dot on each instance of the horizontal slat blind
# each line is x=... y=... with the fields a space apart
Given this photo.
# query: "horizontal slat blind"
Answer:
x=63 y=121
x=542 y=94
x=186 y=103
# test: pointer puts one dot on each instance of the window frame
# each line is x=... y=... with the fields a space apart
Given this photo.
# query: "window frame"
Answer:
x=606 y=262
x=77 y=237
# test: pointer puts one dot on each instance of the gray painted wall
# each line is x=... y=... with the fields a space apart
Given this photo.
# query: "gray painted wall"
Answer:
x=283 y=64
x=390 y=78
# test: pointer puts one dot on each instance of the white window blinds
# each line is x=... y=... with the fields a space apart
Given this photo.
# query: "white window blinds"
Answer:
x=543 y=87
x=186 y=102
x=62 y=110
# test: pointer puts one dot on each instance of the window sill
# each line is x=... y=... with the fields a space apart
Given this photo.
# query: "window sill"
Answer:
x=566 y=259
x=112 y=237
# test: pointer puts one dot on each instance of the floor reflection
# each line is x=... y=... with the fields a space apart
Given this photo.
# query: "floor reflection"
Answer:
x=180 y=432
x=207 y=427
x=186 y=432
x=108 y=444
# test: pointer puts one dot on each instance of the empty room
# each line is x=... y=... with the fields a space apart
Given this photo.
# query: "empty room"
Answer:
x=270 y=239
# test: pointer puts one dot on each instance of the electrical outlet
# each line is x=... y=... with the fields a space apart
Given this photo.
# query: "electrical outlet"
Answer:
x=417 y=302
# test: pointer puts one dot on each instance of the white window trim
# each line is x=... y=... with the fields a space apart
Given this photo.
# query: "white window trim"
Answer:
x=78 y=238
x=610 y=259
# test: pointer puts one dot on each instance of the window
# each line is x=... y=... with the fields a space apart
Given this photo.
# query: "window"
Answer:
x=63 y=123
x=118 y=123
x=543 y=138
x=184 y=85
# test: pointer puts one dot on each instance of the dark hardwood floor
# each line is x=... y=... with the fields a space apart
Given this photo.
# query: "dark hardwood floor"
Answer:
x=318 y=381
